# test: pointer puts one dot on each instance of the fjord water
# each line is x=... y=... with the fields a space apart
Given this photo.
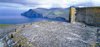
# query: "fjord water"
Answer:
x=14 y=17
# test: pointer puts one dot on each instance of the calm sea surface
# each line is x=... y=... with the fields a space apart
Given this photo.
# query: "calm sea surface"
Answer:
x=21 y=19
x=14 y=17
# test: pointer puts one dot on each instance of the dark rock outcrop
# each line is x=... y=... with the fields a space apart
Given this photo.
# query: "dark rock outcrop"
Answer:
x=32 y=14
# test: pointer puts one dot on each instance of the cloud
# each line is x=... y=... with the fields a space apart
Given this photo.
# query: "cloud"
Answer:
x=58 y=3
x=96 y=2
x=14 y=6
x=90 y=4
x=27 y=4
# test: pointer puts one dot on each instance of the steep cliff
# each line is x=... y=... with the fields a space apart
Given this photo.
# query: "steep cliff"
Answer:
x=32 y=14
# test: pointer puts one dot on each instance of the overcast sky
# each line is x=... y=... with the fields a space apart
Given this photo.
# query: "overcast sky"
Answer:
x=31 y=4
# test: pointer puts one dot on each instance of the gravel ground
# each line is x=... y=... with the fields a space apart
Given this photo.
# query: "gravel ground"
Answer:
x=49 y=34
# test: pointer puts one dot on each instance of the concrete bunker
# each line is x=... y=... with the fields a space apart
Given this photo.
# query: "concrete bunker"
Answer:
x=87 y=15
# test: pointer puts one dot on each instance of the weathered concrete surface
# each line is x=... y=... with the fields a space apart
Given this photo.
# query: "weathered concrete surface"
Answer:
x=72 y=15
x=93 y=16
x=50 y=34
x=87 y=15
x=80 y=15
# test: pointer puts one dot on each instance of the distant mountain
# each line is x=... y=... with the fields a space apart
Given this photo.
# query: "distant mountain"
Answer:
x=56 y=13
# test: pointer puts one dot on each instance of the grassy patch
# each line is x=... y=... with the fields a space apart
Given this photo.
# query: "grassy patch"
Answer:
x=1 y=25
x=58 y=13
